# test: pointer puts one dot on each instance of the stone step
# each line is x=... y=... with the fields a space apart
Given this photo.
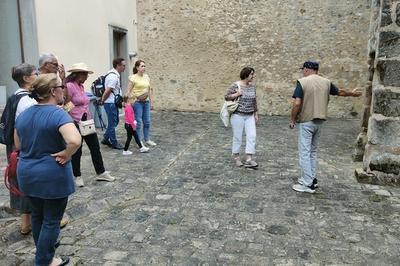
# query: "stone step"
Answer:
x=384 y=130
x=382 y=158
x=388 y=70
x=386 y=101
x=389 y=44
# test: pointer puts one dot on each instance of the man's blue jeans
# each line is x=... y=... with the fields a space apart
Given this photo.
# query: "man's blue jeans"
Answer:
x=46 y=216
x=113 y=120
x=309 y=133
x=142 y=117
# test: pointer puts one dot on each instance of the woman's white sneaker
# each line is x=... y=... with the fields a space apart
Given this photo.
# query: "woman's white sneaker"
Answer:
x=144 y=149
x=126 y=152
x=151 y=143
x=79 y=181
x=105 y=177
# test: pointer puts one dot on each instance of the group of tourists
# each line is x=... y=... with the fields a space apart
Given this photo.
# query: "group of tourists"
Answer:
x=47 y=136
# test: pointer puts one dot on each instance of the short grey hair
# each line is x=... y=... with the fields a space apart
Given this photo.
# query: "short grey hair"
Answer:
x=46 y=57
x=18 y=72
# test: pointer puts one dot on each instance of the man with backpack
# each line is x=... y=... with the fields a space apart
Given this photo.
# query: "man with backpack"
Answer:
x=110 y=99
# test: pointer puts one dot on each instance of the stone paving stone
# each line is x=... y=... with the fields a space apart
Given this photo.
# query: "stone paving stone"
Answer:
x=185 y=203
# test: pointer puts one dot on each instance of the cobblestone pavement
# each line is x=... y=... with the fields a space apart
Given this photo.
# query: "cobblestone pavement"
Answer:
x=184 y=203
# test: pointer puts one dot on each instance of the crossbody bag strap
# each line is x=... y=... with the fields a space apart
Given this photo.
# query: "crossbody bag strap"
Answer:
x=238 y=84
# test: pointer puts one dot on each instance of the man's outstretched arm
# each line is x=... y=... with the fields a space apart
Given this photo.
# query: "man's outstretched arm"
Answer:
x=353 y=93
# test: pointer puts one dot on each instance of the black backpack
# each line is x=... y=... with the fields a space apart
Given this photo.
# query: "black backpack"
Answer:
x=98 y=86
x=7 y=121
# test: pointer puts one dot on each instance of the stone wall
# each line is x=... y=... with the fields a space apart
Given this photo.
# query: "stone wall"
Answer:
x=379 y=141
x=195 y=49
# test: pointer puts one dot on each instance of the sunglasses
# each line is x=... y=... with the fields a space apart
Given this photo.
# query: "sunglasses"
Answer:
x=54 y=64
x=61 y=86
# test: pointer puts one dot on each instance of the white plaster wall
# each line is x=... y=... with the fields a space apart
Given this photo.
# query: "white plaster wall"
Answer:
x=78 y=30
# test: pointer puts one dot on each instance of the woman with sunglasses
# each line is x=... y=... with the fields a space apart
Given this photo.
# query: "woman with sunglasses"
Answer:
x=46 y=137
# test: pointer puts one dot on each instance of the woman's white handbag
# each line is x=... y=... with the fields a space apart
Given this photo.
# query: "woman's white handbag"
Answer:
x=231 y=106
x=234 y=104
x=87 y=127
x=224 y=115
x=228 y=107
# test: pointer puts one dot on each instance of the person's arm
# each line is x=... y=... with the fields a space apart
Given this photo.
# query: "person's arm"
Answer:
x=352 y=93
x=73 y=140
x=232 y=93
x=110 y=83
x=151 y=98
x=106 y=94
x=296 y=104
x=256 y=112
x=144 y=96
x=68 y=92
x=129 y=89
x=17 y=142
x=296 y=108
x=61 y=73
x=334 y=90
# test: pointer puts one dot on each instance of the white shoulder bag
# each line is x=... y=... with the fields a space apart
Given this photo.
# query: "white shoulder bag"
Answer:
x=87 y=127
x=233 y=105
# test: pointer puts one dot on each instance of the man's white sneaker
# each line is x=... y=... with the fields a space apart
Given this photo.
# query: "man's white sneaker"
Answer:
x=79 y=181
x=144 y=149
x=314 y=184
x=105 y=177
x=151 y=143
x=302 y=188
x=126 y=152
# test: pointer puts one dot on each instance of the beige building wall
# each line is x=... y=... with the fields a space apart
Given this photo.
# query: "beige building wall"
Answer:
x=195 y=49
x=78 y=31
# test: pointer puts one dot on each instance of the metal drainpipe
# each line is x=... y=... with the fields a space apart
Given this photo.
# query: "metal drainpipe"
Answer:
x=21 y=37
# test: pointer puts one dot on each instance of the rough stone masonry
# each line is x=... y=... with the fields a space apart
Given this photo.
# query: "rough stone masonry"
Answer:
x=378 y=144
x=195 y=49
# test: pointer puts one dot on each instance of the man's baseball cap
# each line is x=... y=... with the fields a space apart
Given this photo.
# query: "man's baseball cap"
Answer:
x=310 y=65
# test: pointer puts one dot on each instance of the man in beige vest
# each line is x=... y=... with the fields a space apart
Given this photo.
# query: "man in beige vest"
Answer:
x=309 y=110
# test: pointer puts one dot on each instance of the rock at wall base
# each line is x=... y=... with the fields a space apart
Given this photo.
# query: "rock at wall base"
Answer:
x=376 y=178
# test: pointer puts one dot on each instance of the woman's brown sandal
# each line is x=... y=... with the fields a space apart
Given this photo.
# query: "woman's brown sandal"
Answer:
x=238 y=162
x=25 y=230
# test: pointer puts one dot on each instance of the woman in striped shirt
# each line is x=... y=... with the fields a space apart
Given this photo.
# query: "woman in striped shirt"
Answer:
x=244 y=117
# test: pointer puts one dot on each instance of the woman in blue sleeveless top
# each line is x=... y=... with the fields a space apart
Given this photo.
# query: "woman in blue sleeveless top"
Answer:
x=46 y=137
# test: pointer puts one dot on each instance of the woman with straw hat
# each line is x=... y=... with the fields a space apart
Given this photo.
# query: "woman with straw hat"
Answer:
x=79 y=112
